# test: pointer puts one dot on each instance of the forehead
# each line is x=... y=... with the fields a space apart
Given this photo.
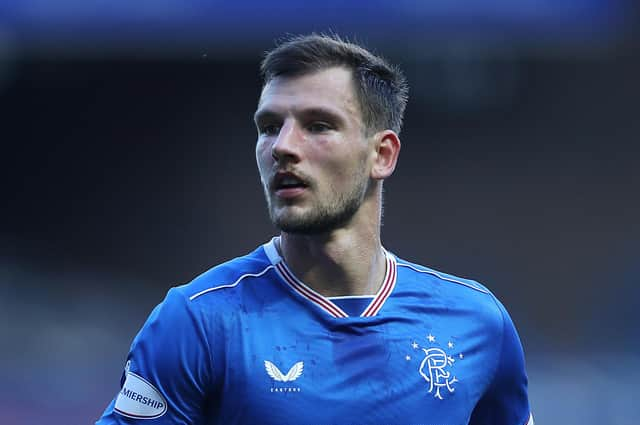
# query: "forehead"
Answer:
x=331 y=89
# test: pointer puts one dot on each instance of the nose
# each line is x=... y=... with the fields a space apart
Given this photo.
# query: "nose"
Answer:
x=286 y=145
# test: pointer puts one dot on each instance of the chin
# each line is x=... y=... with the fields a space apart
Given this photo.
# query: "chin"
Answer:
x=289 y=224
x=314 y=225
x=314 y=219
x=302 y=228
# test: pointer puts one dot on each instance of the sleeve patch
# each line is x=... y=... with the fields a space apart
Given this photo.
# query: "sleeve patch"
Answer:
x=139 y=399
x=530 y=421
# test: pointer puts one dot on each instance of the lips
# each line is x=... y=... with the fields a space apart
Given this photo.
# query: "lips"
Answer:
x=287 y=184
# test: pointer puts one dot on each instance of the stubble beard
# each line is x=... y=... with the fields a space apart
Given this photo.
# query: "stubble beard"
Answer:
x=322 y=217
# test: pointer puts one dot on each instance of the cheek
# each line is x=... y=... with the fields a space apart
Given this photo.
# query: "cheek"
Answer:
x=348 y=167
x=263 y=155
x=337 y=177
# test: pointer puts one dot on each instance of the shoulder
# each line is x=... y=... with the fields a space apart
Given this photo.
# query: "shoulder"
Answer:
x=226 y=276
x=452 y=292
x=426 y=275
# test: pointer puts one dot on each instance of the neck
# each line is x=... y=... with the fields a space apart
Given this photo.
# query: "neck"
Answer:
x=346 y=261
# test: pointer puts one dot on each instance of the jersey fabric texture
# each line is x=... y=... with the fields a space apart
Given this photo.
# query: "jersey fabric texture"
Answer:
x=249 y=343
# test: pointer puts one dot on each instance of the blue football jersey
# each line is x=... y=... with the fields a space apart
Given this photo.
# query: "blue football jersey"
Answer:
x=247 y=342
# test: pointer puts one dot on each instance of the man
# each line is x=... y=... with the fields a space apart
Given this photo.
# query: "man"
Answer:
x=322 y=325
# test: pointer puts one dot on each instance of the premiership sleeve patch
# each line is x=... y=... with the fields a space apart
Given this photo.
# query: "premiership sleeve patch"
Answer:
x=530 y=421
x=139 y=399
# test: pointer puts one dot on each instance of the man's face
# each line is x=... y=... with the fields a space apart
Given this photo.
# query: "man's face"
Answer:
x=312 y=151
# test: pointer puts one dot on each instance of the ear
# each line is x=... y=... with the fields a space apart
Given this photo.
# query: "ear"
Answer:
x=385 y=156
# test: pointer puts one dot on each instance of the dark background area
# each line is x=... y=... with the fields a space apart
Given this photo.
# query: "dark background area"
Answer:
x=125 y=172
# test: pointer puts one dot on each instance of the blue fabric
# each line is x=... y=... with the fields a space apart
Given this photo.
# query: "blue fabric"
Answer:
x=353 y=306
x=239 y=346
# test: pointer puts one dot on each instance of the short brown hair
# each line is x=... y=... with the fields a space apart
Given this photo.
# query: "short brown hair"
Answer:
x=381 y=88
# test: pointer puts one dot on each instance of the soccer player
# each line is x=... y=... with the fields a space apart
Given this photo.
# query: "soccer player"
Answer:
x=322 y=324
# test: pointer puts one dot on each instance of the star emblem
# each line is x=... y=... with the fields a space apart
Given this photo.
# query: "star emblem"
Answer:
x=414 y=345
x=431 y=338
x=450 y=344
x=407 y=357
x=461 y=356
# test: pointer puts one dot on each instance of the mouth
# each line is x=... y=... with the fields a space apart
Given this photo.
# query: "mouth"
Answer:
x=288 y=185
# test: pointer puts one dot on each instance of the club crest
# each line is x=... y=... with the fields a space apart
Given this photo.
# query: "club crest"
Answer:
x=436 y=365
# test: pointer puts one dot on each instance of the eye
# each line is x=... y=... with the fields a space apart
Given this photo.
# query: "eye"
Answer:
x=269 y=130
x=319 y=127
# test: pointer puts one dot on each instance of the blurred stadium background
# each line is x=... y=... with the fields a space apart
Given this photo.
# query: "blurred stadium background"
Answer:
x=127 y=167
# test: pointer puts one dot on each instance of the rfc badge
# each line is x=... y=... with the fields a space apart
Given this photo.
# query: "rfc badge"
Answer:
x=436 y=366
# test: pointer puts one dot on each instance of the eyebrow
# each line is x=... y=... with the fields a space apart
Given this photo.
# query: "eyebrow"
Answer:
x=313 y=112
x=264 y=115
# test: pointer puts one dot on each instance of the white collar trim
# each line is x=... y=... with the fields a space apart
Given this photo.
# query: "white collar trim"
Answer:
x=320 y=300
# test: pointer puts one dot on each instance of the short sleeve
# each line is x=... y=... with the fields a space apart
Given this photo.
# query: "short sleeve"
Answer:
x=168 y=369
x=506 y=401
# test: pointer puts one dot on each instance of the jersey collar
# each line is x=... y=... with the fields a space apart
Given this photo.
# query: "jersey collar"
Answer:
x=320 y=300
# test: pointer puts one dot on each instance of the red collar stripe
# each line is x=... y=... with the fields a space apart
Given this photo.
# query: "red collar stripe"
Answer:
x=308 y=293
x=385 y=289
x=374 y=307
